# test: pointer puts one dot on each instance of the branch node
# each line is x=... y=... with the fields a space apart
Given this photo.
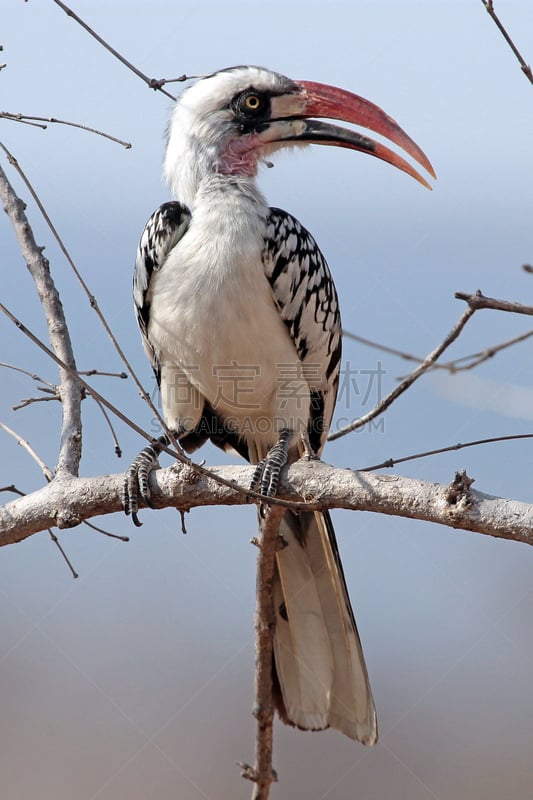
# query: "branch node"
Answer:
x=67 y=519
x=458 y=492
x=250 y=774
x=187 y=474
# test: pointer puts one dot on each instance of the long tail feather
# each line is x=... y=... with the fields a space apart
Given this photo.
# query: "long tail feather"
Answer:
x=319 y=660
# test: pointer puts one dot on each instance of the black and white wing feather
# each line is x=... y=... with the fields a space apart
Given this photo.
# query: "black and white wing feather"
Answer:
x=319 y=662
x=161 y=233
x=305 y=296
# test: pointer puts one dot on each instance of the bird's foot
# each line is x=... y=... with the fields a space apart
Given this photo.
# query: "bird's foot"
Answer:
x=266 y=476
x=135 y=484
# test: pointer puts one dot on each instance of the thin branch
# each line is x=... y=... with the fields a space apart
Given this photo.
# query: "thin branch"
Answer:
x=66 y=502
x=384 y=348
x=524 y=66
x=12 y=488
x=402 y=387
x=478 y=300
x=473 y=360
x=106 y=533
x=53 y=537
x=460 y=364
x=90 y=372
x=50 y=388
x=47 y=472
x=30 y=400
x=31 y=375
x=31 y=120
x=392 y=462
x=153 y=83
x=263 y=774
x=118 y=449
x=57 y=543
x=12 y=118
x=70 y=442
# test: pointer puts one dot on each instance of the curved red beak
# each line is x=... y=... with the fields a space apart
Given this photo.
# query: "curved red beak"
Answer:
x=317 y=100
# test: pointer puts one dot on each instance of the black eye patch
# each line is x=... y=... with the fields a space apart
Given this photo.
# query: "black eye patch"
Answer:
x=251 y=105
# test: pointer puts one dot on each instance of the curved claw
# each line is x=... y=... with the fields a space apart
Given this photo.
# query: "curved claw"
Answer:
x=135 y=485
x=267 y=473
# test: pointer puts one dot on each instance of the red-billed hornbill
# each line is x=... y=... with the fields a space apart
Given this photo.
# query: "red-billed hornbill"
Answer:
x=239 y=317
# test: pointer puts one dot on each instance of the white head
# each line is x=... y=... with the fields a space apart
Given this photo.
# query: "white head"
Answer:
x=229 y=121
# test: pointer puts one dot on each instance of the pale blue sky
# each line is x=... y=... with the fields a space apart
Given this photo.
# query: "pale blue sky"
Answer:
x=136 y=680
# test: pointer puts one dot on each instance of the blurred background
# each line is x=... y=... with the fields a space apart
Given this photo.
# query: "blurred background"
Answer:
x=136 y=680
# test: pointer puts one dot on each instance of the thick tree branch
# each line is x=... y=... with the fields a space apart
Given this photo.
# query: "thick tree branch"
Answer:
x=68 y=501
x=70 y=391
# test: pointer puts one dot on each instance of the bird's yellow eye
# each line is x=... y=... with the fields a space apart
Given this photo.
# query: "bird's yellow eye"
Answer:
x=252 y=102
x=250 y=105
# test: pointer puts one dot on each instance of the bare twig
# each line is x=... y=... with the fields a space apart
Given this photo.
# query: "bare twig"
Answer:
x=49 y=388
x=524 y=66
x=402 y=387
x=70 y=444
x=31 y=375
x=464 y=363
x=53 y=537
x=106 y=533
x=384 y=348
x=263 y=774
x=118 y=449
x=478 y=300
x=7 y=115
x=90 y=372
x=153 y=83
x=460 y=364
x=57 y=543
x=12 y=488
x=30 y=400
x=32 y=120
x=47 y=472
x=392 y=462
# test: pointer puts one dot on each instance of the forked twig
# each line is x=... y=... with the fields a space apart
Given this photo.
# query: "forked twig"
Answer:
x=29 y=119
x=478 y=301
x=460 y=364
x=47 y=472
x=404 y=385
x=153 y=83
